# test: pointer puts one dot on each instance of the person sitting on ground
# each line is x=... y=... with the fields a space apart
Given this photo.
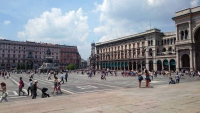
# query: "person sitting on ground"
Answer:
x=172 y=81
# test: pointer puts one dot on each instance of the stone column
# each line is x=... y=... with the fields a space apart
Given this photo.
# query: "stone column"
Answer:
x=194 y=59
x=124 y=65
x=190 y=31
x=177 y=61
x=177 y=33
x=136 y=66
x=132 y=64
x=128 y=65
x=191 y=60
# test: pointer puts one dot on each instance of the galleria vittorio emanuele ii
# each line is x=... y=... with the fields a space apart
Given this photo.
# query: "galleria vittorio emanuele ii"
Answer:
x=154 y=49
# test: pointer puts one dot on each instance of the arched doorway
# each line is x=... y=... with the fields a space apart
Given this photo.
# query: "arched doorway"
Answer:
x=130 y=65
x=143 y=65
x=197 y=48
x=166 y=65
x=126 y=65
x=159 y=65
x=139 y=66
x=29 y=64
x=172 y=65
x=122 y=65
x=134 y=65
x=185 y=61
x=150 y=65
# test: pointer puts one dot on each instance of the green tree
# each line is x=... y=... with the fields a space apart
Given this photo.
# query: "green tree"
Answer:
x=71 y=66
x=18 y=66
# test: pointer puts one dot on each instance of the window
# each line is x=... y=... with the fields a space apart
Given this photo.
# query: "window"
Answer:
x=149 y=43
x=24 y=48
x=14 y=51
x=8 y=55
x=24 y=52
x=19 y=48
x=182 y=35
x=24 y=56
x=18 y=61
x=36 y=56
x=18 y=56
x=14 y=56
x=13 y=61
x=3 y=55
x=19 y=51
x=150 y=52
x=186 y=34
x=8 y=51
x=3 y=50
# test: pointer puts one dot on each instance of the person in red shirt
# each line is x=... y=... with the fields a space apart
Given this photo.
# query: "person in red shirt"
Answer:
x=21 y=85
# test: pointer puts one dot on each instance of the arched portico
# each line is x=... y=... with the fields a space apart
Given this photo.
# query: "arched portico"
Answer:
x=185 y=61
x=159 y=65
x=166 y=65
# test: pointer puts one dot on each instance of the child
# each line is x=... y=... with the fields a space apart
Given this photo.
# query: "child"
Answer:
x=59 y=87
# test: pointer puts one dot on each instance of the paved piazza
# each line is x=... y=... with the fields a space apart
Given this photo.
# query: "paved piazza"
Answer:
x=115 y=95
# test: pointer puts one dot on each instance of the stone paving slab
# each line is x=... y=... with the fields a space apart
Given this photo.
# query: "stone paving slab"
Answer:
x=178 y=98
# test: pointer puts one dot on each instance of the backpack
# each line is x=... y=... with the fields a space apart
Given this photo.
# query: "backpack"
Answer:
x=22 y=83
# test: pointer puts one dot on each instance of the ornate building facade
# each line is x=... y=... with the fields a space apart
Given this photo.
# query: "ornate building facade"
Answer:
x=155 y=50
x=30 y=55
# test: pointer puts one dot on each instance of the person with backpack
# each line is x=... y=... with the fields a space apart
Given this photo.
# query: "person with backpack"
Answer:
x=30 y=86
x=4 y=93
x=21 y=85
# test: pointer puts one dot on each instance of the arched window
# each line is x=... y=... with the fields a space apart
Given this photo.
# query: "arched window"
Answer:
x=174 y=40
x=182 y=35
x=151 y=42
x=161 y=42
x=165 y=42
x=168 y=41
x=186 y=34
x=171 y=41
x=150 y=52
x=163 y=50
x=170 y=49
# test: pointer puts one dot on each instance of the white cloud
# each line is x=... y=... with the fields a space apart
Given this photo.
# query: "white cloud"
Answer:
x=53 y=26
x=125 y=17
x=194 y=3
x=6 y=22
x=2 y=37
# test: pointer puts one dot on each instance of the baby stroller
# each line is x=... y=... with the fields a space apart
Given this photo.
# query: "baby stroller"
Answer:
x=44 y=94
x=103 y=77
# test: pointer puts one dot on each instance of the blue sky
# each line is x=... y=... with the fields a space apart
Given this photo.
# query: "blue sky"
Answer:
x=80 y=22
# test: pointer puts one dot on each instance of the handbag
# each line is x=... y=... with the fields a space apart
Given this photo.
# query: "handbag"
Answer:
x=4 y=95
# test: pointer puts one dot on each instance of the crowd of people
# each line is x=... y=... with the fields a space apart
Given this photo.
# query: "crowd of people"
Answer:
x=33 y=84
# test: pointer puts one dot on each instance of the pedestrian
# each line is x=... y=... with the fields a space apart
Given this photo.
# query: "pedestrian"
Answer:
x=59 y=87
x=152 y=74
x=30 y=87
x=49 y=76
x=177 y=77
x=4 y=93
x=62 y=78
x=148 y=80
x=140 y=78
x=55 y=85
x=21 y=85
x=34 y=89
x=66 y=75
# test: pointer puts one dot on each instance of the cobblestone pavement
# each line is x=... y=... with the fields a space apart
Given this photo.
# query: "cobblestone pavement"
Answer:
x=177 y=98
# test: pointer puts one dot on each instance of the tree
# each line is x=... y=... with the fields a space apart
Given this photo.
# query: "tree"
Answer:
x=18 y=66
x=71 y=67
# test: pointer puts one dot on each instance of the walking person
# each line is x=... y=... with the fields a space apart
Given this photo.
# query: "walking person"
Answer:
x=177 y=77
x=140 y=78
x=49 y=76
x=55 y=85
x=4 y=93
x=66 y=75
x=21 y=85
x=59 y=87
x=62 y=78
x=148 y=80
x=30 y=87
x=34 y=89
